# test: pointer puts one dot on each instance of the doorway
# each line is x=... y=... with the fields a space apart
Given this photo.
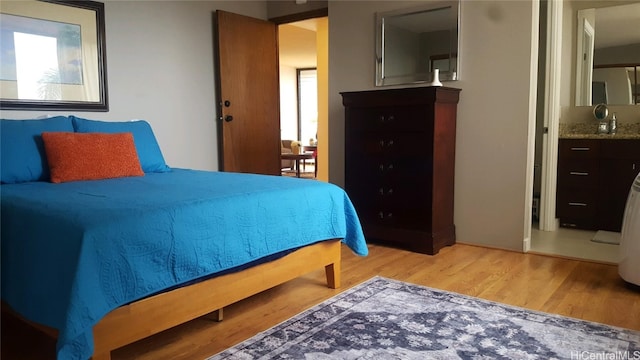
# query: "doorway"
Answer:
x=304 y=91
x=546 y=237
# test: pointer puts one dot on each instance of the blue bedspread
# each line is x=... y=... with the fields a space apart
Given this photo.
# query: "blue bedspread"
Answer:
x=73 y=252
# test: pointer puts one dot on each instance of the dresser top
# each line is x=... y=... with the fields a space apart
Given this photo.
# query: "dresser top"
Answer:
x=401 y=96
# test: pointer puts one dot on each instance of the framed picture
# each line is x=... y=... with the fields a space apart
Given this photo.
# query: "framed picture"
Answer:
x=52 y=55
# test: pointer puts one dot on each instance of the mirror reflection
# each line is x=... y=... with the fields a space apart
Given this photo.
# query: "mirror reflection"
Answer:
x=608 y=56
x=411 y=43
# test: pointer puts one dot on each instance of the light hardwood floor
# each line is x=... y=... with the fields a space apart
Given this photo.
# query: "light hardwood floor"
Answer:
x=585 y=290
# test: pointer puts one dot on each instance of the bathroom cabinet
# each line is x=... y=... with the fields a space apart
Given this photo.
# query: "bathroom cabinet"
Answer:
x=594 y=178
x=399 y=164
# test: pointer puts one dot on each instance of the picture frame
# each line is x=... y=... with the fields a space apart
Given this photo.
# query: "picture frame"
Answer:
x=53 y=55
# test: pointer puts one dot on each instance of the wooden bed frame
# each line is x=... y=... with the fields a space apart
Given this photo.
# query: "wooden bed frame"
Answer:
x=143 y=318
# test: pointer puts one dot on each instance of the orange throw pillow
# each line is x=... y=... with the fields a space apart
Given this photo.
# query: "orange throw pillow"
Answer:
x=90 y=156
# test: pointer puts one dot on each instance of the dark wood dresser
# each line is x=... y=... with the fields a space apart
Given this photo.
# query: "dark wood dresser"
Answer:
x=594 y=179
x=399 y=164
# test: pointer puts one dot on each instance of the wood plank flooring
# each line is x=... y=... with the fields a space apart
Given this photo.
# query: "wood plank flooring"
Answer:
x=579 y=289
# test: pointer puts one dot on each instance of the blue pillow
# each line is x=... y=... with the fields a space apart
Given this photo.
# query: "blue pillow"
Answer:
x=149 y=152
x=22 y=155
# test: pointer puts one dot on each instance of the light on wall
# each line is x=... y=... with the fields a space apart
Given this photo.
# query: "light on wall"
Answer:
x=300 y=2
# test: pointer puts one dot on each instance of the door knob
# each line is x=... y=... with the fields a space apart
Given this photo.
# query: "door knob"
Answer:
x=228 y=118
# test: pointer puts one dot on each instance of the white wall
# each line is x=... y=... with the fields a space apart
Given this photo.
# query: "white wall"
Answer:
x=493 y=113
x=160 y=66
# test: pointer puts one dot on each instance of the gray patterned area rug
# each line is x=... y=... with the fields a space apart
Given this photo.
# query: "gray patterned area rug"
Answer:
x=388 y=319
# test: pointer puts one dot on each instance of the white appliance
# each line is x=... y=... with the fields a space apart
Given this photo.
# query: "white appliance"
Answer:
x=629 y=266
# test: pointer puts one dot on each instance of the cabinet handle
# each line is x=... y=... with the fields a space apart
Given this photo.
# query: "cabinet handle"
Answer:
x=580 y=149
x=579 y=173
x=381 y=191
x=577 y=204
x=382 y=168
x=387 y=144
x=384 y=119
x=381 y=215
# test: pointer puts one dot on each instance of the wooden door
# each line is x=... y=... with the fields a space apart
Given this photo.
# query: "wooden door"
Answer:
x=248 y=94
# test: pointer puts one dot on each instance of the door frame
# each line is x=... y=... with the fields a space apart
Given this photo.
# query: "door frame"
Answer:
x=305 y=15
x=323 y=147
x=548 y=221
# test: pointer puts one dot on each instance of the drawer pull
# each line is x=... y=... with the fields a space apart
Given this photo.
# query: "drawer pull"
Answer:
x=381 y=191
x=579 y=173
x=384 y=119
x=577 y=204
x=580 y=149
x=381 y=215
x=387 y=144
x=382 y=168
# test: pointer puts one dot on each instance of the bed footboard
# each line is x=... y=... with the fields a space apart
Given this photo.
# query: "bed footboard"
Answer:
x=149 y=316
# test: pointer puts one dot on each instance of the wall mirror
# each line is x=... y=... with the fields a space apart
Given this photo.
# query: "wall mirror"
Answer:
x=411 y=43
x=608 y=56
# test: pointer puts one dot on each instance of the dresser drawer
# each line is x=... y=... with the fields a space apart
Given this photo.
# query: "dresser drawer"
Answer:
x=578 y=173
x=578 y=149
x=387 y=118
x=391 y=194
x=400 y=217
x=397 y=168
x=390 y=144
x=577 y=204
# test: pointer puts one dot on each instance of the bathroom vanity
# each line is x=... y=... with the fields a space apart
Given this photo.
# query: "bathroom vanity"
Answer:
x=595 y=173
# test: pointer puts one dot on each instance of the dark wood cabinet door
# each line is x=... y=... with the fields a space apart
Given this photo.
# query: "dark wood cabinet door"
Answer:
x=614 y=191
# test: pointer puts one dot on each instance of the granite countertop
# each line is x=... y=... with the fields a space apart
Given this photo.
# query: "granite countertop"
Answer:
x=590 y=131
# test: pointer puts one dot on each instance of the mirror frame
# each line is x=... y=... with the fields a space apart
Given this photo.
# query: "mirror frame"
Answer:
x=454 y=42
x=96 y=45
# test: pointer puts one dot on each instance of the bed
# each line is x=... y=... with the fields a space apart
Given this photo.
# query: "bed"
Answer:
x=105 y=262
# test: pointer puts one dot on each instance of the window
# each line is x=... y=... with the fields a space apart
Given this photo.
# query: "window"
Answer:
x=307 y=105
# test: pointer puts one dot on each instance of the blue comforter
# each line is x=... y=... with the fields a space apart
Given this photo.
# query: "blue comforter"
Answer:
x=73 y=252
